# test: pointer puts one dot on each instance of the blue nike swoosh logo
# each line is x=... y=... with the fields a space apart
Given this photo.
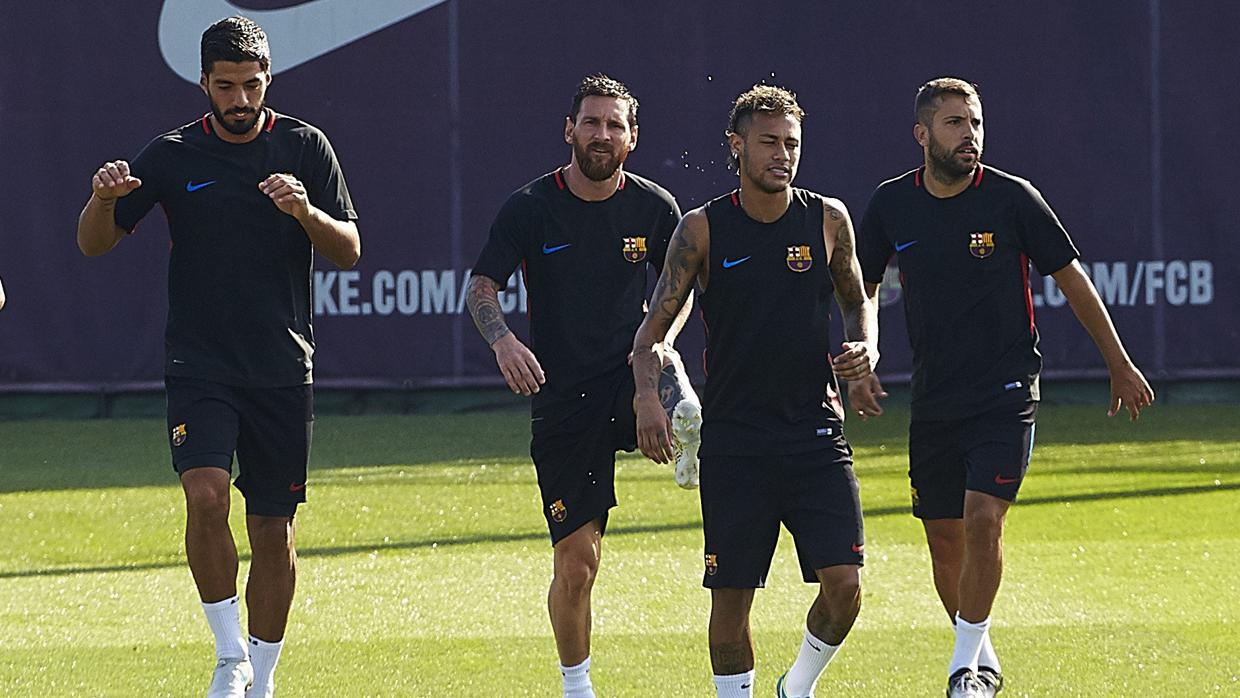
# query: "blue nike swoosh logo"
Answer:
x=729 y=263
x=298 y=33
x=557 y=248
x=905 y=246
x=190 y=186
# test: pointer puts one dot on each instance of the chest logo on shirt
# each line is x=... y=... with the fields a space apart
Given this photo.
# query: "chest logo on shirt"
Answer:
x=799 y=258
x=982 y=244
x=635 y=249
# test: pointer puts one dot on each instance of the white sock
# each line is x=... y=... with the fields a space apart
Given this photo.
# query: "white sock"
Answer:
x=734 y=685
x=813 y=658
x=987 y=656
x=224 y=617
x=577 y=680
x=969 y=637
x=264 y=656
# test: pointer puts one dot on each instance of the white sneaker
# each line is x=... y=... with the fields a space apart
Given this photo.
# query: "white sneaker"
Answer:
x=232 y=678
x=964 y=684
x=687 y=435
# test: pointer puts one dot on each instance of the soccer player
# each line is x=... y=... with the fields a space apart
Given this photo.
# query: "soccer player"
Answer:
x=584 y=235
x=249 y=195
x=767 y=258
x=964 y=235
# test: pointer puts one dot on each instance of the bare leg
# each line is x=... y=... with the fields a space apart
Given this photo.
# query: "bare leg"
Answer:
x=731 y=645
x=273 y=575
x=982 y=570
x=568 y=601
x=946 y=540
x=839 y=600
x=209 y=545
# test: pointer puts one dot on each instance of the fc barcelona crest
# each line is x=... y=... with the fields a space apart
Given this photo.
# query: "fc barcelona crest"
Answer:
x=635 y=249
x=178 y=434
x=799 y=258
x=981 y=245
x=558 y=511
x=712 y=564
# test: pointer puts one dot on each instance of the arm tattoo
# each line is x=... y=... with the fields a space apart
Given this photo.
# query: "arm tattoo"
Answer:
x=483 y=302
x=846 y=275
x=675 y=283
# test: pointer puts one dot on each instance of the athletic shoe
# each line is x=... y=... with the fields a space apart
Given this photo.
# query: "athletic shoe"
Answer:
x=964 y=684
x=687 y=438
x=232 y=679
x=991 y=680
x=779 y=686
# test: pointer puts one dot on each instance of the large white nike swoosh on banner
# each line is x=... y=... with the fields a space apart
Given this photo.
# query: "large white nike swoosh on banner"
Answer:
x=297 y=34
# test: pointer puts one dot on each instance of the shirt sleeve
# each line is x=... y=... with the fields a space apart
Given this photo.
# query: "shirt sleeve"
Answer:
x=1043 y=237
x=133 y=207
x=325 y=185
x=874 y=250
x=507 y=242
x=657 y=252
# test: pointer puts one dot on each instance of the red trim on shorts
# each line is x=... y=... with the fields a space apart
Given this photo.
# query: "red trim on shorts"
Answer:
x=977 y=178
x=1024 y=274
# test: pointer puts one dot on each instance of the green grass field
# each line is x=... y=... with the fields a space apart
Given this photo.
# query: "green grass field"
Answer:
x=424 y=565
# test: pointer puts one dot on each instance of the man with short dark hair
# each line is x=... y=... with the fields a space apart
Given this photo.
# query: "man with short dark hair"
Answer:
x=584 y=235
x=767 y=259
x=249 y=194
x=964 y=235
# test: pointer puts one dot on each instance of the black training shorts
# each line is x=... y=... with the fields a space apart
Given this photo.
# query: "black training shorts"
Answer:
x=575 y=439
x=988 y=453
x=746 y=498
x=268 y=428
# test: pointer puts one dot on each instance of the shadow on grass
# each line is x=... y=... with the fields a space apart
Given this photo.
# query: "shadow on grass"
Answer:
x=464 y=540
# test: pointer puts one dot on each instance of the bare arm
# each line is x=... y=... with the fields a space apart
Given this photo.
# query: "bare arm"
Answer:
x=1128 y=387
x=859 y=313
x=336 y=240
x=686 y=253
x=97 y=231
x=678 y=323
x=516 y=362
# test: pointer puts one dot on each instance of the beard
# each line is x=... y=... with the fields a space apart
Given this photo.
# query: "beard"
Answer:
x=245 y=126
x=595 y=165
x=945 y=160
x=758 y=177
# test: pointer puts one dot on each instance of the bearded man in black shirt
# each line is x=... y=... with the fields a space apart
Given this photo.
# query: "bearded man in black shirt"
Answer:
x=249 y=195
x=964 y=235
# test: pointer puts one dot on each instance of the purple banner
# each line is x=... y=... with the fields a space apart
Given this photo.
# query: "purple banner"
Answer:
x=1121 y=113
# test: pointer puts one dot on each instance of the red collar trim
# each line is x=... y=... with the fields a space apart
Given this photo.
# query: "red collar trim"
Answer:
x=736 y=199
x=559 y=180
x=270 y=115
x=977 y=178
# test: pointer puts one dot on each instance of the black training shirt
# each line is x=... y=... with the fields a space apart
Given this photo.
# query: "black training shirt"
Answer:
x=769 y=384
x=240 y=269
x=964 y=269
x=585 y=270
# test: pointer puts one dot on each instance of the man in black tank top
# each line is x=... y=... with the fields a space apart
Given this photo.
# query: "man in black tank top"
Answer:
x=584 y=235
x=768 y=258
x=964 y=236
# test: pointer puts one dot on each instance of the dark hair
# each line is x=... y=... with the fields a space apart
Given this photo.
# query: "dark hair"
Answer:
x=236 y=40
x=765 y=99
x=601 y=85
x=928 y=95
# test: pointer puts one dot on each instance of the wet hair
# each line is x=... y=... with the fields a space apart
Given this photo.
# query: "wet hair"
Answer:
x=236 y=40
x=601 y=85
x=927 y=102
x=761 y=99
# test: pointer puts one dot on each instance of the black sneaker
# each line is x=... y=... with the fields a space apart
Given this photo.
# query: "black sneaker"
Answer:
x=991 y=680
x=965 y=684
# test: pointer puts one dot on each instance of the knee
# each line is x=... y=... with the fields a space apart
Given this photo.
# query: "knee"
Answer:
x=575 y=573
x=842 y=588
x=270 y=535
x=984 y=523
x=207 y=501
